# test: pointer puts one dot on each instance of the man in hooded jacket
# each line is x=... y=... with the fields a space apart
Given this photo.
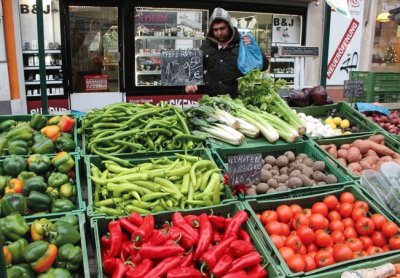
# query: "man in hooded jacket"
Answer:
x=220 y=53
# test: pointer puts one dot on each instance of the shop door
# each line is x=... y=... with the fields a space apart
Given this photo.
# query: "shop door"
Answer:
x=94 y=48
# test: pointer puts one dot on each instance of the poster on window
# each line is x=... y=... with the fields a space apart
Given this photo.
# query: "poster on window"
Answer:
x=345 y=43
x=286 y=29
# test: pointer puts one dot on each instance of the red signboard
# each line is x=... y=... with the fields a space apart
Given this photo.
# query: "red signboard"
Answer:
x=54 y=106
x=176 y=100
x=96 y=83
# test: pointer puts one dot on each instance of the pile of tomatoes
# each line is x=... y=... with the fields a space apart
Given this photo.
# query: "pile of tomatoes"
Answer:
x=331 y=231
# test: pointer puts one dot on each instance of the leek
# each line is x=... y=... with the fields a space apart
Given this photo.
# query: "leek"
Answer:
x=247 y=128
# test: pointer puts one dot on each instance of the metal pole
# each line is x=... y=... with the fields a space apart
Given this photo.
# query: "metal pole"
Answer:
x=325 y=46
x=42 y=66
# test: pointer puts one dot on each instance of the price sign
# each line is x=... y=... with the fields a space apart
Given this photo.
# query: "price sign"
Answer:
x=353 y=88
x=244 y=169
x=286 y=29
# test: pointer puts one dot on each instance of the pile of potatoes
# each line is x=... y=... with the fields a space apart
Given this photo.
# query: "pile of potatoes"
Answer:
x=289 y=171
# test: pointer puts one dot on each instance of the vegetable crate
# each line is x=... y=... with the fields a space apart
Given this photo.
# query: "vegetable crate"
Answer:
x=142 y=158
x=99 y=228
x=379 y=128
x=389 y=141
x=257 y=206
x=27 y=118
x=221 y=157
x=345 y=110
x=80 y=204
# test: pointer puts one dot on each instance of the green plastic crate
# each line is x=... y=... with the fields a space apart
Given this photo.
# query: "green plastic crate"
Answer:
x=141 y=158
x=390 y=142
x=306 y=201
x=356 y=118
x=378 y=128
x=99 y=228
x=27 y=118
x=221 y=157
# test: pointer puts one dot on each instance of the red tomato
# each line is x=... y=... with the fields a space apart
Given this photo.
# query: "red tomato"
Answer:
x=286 y=252
x=285 y=229
x=346 y=209
x=358 y=213
x=385 y=248
x=318 y=221
x=359 y=254
x=336 y=225
x=342 y=252
x=296 y=263
x=312 y=248
x=390 y=229
x=296 y=209
x=347 y=197
x=307 y=212
x=394 y=242
x=277 y=240
x=348 y=222
x=321 y=208
x=372 y=250
x=367 y=242
x=274 y=228
x=310 y=263
x=323 y=239
x=306 y=235
x=323 y=258
x=378 y=220
x=379 y=239
x=285 y=214
x=300 y=220
x=303 y=250
x=337 y=237
x=365 y=226
x=350 y=232
x=361 y=204
x=329 y=249
x=294 y=242
x=312 y=254
x=355 y=244
x=334 y=215
x=268 y=216
x=331 y=202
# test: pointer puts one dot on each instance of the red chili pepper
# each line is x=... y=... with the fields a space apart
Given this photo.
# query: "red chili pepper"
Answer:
x=240 y=248
x=206 y=234
x=222 y=266
x=120 y=269
x=127 y=226
x=192 y=220
x=143 y=233
x=238 y=274
x=217 y=237
x=184 y=272
x=158 y=238
x=249 y=260
x=244 y=235
x=134 y=253
x=179 y=221
x=257 y=271
x=116 y=239
x=135 y=218
x=140 y=271
x=211 y=255
x=148 y=251
x=163 y=267
x=218 y=222
x=109 y=265
x=187 y=260
x=177 y=234
x=126 y=250
x=105 y=240
x=237 y=220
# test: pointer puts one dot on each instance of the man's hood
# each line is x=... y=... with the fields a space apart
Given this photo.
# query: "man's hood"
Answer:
x=220 y=13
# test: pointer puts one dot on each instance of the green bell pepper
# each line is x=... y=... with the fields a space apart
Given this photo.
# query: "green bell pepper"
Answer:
x=25 y=175
x=3 y=183
x=39 y=228
x=63 y=233
x=38 y=201
x=37 y=136
x=54 y=120
x=17 y=250
x=71 y=219
x=38 y=163
x=40 y=255
x=13 y=227
x=69 y=257
x=38 y=121
x=19 y=147
x=62 y=205
x=68 y=191
x=21 y=131
x=34 y=183
x=65 y=143
x=56 y=179
x=43 y=146
x=3 y=143
x=13 y=203
x=63 y=162
x=7 y=125
x=20 y=271
x=14 y=164
x=56 y=273
x=53 y=193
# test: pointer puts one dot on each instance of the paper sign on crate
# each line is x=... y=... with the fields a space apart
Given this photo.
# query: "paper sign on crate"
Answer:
x=244 y=169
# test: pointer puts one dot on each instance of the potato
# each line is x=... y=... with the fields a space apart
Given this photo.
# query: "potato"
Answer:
x=308 y=162
x=377 y=138
x=342 y=161
x=342 y=153
x=333 y=151
x=371 y=153
x=362 y=145
x=267 y=167
x=318 y=166
x=270 y=159
x=265 y=175
x=353 y=154
x=283 y=178
x=354 y=167
x=274 y=173
x=282 y=161
x=345 y=146
x=290 y=155
x=282 y=188
x=284 y=170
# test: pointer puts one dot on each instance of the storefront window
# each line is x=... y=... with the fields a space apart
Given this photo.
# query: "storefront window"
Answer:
x=386 y=49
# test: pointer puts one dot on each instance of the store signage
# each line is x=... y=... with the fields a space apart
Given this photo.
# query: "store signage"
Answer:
x=353 y=88
x=181 y=67
x=244 y=169
x=181 y=101
x=286 y=29
x=55 y=106
x=290 y=51
x=96 y=83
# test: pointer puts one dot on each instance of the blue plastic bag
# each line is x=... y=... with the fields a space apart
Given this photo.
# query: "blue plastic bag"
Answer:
x=250 y=56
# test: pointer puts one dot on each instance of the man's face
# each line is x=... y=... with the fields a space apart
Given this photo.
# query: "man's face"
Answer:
x=221 y=31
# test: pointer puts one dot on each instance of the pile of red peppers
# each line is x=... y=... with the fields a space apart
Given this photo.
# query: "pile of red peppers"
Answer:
x=189 y=246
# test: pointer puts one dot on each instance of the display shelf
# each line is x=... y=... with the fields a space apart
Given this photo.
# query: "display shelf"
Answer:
x=48 y=82
x=47 y=51
x=168 y=38
x=47 y=68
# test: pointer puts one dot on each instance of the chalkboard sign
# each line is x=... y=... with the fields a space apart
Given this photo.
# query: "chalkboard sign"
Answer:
x=353 y=88
x=244 y=169
x=181 y=67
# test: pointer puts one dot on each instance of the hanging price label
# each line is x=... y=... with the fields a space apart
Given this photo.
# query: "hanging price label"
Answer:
x=244 y=169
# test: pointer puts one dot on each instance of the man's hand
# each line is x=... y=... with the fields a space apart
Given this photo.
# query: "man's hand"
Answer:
x=246 y=40
x=191 y=89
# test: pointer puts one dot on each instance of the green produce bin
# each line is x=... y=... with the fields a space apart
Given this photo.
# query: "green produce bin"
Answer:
x=221 y=157
x=99 y=228
x=390 y=142
x=377 y=127
x=137 y=159
x=306 y=201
